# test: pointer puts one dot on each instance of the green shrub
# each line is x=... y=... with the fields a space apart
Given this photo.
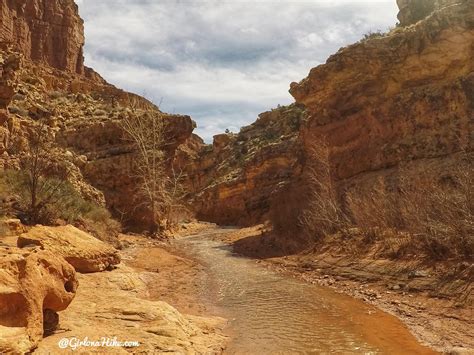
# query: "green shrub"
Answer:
x=371 y=35
x=18 y=111
x=56 y=200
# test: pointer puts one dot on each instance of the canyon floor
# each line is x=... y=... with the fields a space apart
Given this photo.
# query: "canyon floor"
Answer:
x=193 y=294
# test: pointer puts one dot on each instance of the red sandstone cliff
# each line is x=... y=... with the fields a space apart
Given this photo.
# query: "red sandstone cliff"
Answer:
x=47 y=31
x=42 y=76
x=392 y=109
x=402 y=98
x=406 y=96
x=233 y=181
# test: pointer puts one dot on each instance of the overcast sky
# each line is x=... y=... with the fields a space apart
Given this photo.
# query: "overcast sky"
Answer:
x=222 y=62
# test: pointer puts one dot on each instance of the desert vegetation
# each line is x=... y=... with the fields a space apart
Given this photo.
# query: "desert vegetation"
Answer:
x=39 y=192
x=159 y=188
x=421 y=214
x=323 y=214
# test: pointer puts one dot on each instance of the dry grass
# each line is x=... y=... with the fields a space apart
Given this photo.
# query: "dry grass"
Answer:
x=421 y=213
x=430 y=214
x=323 y=214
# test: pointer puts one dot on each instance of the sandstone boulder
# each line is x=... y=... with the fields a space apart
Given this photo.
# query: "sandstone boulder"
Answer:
x=80 y=249
x=117 y=304
x=34 y=285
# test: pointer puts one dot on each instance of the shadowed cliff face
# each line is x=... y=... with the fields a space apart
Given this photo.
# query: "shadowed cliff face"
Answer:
x=47 y=31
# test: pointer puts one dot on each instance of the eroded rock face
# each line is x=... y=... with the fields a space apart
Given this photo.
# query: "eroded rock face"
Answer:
x=234 y=180
x=402 y=98
x=84 y=252
x=83 y=117
x=412 y=11
x=117 y=304
x=109 y=161
x=47 y=31
x=9 y=64
x=34 y=285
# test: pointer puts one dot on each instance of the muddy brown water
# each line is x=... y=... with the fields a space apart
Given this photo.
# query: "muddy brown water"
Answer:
x=270 y=313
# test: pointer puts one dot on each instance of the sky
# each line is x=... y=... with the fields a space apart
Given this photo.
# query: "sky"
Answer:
x=221 y=61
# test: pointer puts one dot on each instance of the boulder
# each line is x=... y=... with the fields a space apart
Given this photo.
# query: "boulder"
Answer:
x=34 y=285
x=80 y=249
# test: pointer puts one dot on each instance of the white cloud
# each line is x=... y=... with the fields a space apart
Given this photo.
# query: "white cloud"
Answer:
x=222 y=62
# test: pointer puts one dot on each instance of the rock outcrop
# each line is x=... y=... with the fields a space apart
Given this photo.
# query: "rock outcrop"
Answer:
x=108 y=159
x=390 y=108
x=84 y=252
x=47 y=31
x=83 y=117
x=403 y=97
x=412 y=11
x=233 y=181
x=127 y=304
x=34 y=285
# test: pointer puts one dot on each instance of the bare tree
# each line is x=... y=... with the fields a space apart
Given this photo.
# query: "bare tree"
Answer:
x=174 y=196
x=323 y=214
x=146 y=131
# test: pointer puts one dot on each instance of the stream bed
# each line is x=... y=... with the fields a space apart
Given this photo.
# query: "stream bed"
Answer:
x=271 y=313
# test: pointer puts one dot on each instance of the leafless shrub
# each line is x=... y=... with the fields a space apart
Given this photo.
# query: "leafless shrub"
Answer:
x=376 y=208
x=323 y=214
x=427 y=213
x=174 y=206
x=440 y=213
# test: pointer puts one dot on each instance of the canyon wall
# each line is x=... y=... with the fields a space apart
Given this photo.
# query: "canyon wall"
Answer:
x=233 y=181
x=47 y=31
x=42 y=77
x=395 y=106
x=404 y=96
x=400 y=99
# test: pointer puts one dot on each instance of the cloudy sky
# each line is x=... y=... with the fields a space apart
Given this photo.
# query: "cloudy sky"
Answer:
x=221 y=61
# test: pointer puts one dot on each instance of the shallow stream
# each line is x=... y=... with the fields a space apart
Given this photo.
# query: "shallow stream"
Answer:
x=270 y=313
